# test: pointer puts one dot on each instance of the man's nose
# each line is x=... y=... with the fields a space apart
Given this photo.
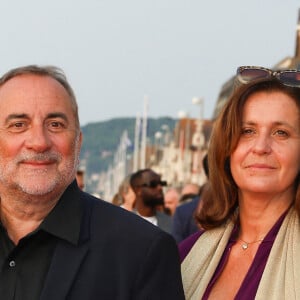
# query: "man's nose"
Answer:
x=38 y=139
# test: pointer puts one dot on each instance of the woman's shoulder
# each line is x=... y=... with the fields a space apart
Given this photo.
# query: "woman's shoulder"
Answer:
x=186 y=245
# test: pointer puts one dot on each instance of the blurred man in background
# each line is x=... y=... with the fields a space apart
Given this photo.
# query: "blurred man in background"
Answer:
x=148 y=188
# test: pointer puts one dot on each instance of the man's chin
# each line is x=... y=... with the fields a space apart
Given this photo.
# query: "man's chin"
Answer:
x=36 y=190
x=38 y=186
x=154 y=203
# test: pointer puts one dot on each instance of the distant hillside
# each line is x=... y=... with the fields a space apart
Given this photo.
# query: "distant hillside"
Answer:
x=101 y=139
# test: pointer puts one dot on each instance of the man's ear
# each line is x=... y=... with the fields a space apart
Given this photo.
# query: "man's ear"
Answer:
x=138 y=191
x=80 y=138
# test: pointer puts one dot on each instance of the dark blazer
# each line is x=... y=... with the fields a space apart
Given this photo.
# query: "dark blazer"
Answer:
x=184 y=223
x=119 y=256
x=164 y=221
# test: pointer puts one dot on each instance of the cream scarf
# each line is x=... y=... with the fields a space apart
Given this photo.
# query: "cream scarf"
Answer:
x=280 y=279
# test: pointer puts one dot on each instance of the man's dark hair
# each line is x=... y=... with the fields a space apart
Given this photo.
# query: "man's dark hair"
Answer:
x=135 y=177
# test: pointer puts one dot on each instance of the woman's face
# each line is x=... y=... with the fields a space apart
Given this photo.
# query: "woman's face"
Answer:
x=267 y=156
x=129 y=196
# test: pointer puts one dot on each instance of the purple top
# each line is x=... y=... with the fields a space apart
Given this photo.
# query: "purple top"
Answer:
x=250 y=283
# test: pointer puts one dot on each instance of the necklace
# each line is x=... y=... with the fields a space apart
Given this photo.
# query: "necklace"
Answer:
x=245 y=244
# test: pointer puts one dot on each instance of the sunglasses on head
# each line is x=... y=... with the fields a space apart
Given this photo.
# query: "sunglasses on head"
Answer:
x=154 y=183
x=247 y=74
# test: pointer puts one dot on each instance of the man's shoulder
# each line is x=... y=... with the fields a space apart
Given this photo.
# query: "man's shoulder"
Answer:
x=164 y=221
x=114 y=220
x=160 y=214
x=189 y=206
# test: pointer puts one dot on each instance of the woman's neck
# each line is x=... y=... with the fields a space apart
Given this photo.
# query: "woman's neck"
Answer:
x=257 y=216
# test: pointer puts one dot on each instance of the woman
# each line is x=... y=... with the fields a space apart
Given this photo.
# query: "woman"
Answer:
x=250 y=245
x=126 y=194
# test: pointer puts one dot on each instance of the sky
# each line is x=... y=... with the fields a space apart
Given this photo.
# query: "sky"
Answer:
x=116 y=53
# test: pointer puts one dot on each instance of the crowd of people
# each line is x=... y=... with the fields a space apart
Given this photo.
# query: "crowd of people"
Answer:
x=170 y=208
x=235 y=237
x=145 y=194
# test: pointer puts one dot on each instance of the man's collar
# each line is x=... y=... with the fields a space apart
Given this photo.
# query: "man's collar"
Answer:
x=64 y=220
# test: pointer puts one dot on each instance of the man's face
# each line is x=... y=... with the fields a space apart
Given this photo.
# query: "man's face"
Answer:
x=152 y=193
x=171 y=200
x=39 y=141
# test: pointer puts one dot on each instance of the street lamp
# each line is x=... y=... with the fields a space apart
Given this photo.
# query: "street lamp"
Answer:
x=182 y=114
x=158 y=135
x=199 y=129
x=167 y=135
x=199 y=101
x=198 y=142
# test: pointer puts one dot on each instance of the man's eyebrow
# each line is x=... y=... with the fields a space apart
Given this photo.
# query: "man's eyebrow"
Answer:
x=16 y=116
x=25 y=116
x=57 y=115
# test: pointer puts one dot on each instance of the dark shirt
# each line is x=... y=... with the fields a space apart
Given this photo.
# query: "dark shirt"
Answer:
x=24 y=266
x=248 y=289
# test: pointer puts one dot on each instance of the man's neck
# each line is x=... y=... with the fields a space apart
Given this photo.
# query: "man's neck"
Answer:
x=146 y=211
x=22 y=217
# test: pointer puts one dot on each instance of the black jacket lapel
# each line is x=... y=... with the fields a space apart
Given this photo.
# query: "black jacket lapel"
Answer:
x=64 y=267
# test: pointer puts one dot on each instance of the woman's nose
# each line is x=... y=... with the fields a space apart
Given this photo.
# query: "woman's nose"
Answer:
x=262 y=144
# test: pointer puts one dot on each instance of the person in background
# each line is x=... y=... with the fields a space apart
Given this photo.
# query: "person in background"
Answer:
x=189 y=192
x=184 y=222
x=250 y=243
x=171 y=200
x=126 y=194
x=116 y=199
x=80 y=179
x=148 y=188
x=56 y=241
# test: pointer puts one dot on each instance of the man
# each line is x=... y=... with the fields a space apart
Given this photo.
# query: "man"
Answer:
x=148 y=188
x=58 y=242
x=188 y=192
x=184 y=221
x=172 y=200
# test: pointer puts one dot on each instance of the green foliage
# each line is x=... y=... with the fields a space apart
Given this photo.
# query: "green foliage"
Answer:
x=101 y=139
